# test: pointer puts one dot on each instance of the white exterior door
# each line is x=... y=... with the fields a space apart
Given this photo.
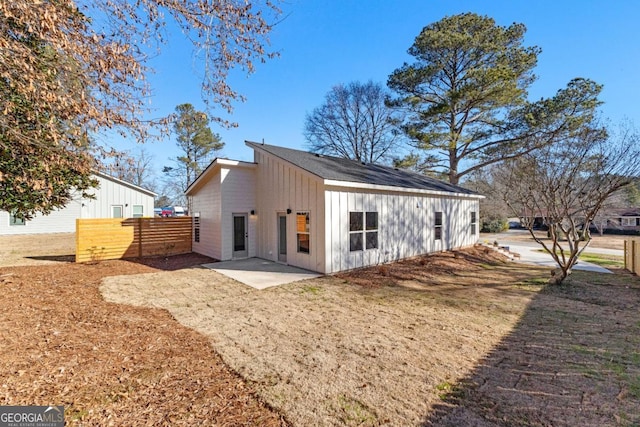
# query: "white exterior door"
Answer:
x=240 y=236
x=282 y=237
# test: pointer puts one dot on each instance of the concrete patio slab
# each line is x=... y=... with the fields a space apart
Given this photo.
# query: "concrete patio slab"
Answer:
x=260 y=273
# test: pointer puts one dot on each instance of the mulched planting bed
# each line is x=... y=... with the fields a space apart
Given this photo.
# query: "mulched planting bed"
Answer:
x=112 y=364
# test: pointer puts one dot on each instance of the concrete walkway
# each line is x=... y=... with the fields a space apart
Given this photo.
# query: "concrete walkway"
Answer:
x=514 y=238
x=260 y=273
x=532 y=255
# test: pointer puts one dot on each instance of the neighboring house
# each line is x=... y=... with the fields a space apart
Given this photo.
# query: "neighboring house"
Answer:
x=114 y=198
x=323 y=213
x=626 y=219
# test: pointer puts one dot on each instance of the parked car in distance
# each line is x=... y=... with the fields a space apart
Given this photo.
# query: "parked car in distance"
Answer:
x=157 y=211
x=167 y=211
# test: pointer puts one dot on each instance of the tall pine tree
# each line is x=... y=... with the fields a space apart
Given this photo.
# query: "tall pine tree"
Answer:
x=198 y=143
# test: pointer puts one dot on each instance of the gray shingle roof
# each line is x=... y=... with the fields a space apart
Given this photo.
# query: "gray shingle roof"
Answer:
x=339 y=169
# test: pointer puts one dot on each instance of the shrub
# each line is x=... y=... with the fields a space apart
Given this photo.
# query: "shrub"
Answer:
x=494 y=225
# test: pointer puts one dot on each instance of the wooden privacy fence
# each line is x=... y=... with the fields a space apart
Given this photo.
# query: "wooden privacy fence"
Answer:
x=632 y=255
x=106 y=238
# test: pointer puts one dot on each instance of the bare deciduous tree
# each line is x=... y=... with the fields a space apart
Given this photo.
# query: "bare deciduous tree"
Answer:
x=69 y=68
x=353 y=123
x=567 y=184
x=135 y=167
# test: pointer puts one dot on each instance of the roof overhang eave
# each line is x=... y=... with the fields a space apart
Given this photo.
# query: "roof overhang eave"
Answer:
x=390 y=188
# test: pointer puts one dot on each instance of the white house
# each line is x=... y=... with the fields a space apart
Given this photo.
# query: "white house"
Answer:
x=324 y=213
x=114 y=198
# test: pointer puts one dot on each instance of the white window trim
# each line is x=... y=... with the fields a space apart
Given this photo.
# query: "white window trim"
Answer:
x=474 y=222
x=364 y=231
x=438 y=226
x=308 y=233
x=133 y=211
x=121 y=211
x=628 y=222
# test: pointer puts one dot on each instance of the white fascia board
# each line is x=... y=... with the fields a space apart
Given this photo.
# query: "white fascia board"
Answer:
x=218 y=162
x=236 y=163
x=360 y=185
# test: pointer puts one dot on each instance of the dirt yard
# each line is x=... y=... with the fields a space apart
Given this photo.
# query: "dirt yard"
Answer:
x=452 y=339
x=112 y=364
x=37 y=249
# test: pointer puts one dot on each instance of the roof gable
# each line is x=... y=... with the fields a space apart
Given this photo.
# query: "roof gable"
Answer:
x=124 y=183
x=217 y=163
x=344 y=170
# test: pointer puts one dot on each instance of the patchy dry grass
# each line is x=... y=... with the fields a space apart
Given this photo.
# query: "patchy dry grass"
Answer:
x=37 y=249
x=452 y=339
x=370 y=347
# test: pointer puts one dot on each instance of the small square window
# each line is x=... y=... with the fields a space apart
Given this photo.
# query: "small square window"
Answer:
x=138 y=211
x=14 y=220
x=117 y=211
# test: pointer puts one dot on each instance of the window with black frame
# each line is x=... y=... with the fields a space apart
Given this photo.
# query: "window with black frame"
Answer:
x=438 y=226
x=303 y=232
x=474 y=223
x=363 y=231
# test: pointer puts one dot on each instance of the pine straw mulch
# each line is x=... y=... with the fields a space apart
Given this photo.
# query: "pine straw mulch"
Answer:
x=112 y=364
x=438 y=268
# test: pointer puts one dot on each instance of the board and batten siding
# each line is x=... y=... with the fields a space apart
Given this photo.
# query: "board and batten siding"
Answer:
x=237 y=190
x=206 y=203
x=112 y=193
x=281 y=186
x=406 y=225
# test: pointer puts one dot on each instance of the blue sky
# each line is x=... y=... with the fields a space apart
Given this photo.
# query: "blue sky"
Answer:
x=324 y=43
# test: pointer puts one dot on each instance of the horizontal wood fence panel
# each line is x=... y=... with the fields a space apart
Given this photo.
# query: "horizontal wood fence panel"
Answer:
x=632 y=255
x=115 y=238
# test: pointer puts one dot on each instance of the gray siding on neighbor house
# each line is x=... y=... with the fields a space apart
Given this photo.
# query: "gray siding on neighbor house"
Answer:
x=109 y=193
x=58 y=221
